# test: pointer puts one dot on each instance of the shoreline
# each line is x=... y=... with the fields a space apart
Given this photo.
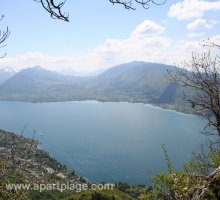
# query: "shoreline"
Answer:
x=166 y=107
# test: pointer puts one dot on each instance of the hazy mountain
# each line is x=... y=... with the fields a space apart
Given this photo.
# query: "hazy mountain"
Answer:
x=136 y=79
x=133 y=82
x=29 y=79
x=5 y=74
x=34 y=84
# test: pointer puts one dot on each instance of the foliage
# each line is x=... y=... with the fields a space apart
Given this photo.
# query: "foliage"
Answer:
x=205 y=161
x=133 y=190
x=101 y=195
x=22 y=162
x=8 y=177
x=189 y=182
x=46 y=195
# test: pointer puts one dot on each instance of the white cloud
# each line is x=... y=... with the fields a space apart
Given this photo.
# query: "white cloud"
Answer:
x=215 y=39
x=193 y=35
x=145 y=43
x=148 y=28
x=31 y=59
x=201 y=24
x=188 y=9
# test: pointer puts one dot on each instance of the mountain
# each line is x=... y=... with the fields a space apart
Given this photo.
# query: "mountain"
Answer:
x=132 y=82
x=34 y=84
x=138 y=80
x=5 y=74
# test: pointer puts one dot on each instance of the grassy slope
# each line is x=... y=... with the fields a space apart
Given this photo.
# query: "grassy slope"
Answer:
x=101 y=195
x=36 y=160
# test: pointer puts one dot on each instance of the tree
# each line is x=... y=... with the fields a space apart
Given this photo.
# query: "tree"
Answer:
x=3 y=36
x=56 y=13
x=129 y=4
x=54 y=9
x=202 y=76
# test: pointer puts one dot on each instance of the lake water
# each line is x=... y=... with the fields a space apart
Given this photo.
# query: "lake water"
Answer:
x=108 y=142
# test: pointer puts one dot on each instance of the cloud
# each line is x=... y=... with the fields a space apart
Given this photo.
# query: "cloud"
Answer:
x=215 y=39
x=192 y=9
x=146 y=43
x=31 y=59
x=193 y=35
x=148 y=28
x=201 y=24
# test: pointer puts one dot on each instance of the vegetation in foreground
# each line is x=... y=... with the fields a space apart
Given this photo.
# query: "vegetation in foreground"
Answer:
x=23 y=162
x=101 y=195
x=200 y=178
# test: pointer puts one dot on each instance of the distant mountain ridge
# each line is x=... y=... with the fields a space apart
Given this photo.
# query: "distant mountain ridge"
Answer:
x=132 y=82
x=5 y=74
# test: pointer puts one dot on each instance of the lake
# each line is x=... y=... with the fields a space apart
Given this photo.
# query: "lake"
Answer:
x=108 y=142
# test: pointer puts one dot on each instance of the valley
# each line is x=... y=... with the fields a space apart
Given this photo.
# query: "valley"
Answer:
x=135 y=82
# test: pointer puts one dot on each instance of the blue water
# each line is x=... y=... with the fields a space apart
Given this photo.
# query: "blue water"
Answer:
x=108 y=142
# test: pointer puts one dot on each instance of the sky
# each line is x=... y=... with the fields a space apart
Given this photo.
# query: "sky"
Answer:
x=101 y=35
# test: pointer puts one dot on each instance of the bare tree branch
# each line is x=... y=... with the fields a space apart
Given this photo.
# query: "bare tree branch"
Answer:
x=202 y=76
x=129 y=4
x=210 y=43
x=54 y=9
x=56 y=13
x=3 y=36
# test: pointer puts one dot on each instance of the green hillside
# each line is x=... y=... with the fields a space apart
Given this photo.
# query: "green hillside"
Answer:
x=130 y=82
x=23 y=162
x=101 y=195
